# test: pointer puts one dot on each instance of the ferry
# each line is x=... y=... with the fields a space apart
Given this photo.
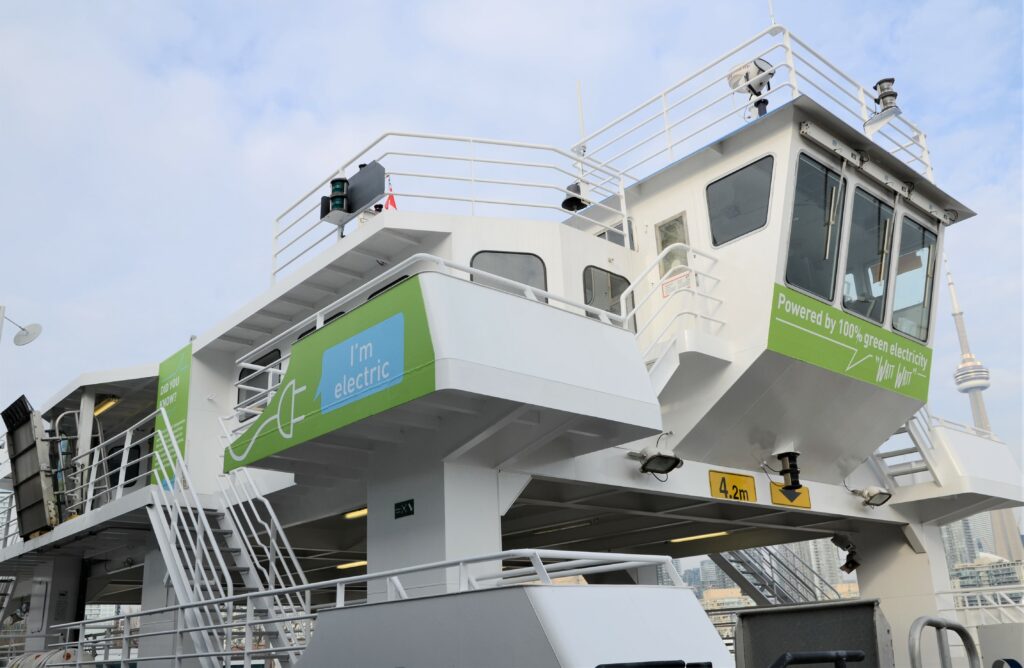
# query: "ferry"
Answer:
x=497 y=389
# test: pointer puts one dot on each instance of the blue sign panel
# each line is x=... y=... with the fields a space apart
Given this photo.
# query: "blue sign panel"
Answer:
x=363 y=365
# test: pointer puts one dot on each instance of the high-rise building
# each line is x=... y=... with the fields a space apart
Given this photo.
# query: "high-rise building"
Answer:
x=713 y=577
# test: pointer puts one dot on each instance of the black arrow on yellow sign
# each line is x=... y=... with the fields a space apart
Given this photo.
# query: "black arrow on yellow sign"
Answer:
x=798 y=498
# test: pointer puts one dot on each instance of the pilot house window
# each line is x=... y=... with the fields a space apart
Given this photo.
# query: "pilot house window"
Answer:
x=738 y=203
x=867 y=260
x=817 y=219
x=915 y=268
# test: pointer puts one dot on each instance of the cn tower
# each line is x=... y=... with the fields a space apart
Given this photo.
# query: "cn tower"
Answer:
x=972 y=378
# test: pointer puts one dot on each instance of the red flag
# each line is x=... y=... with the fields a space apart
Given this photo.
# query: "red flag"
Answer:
x=390 y=203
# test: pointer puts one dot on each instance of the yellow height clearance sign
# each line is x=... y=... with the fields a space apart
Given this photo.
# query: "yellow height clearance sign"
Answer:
x=732 y=486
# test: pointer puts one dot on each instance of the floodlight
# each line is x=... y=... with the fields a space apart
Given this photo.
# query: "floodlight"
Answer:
x=874 y=495
x=657 y=459
x=755 y=77
x=851 y=564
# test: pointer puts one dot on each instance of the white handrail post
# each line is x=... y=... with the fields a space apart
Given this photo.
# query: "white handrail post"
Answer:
x=627 y=233
x=123 y=467
x=538 y=566
x=787 y=44
x=247 y=649
x=668 y=127
x=926 y=156
x=472 y=178
x=93 y=467
x=339 y=595
x=273 y=250
x=125 y=641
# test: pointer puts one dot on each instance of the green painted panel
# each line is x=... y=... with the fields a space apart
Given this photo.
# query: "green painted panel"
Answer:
x=370 y=360
x=805 y=329
x=172 y=395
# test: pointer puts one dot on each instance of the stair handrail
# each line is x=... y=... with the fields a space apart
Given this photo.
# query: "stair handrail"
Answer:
x=172 y=475
x=240 y=503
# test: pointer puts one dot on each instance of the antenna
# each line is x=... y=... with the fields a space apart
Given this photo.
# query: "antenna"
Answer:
x=771 y=11
x=579 y=107
x=26 y=335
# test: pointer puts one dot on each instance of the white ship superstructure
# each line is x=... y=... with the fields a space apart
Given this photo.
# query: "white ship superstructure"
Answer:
x=496 y=386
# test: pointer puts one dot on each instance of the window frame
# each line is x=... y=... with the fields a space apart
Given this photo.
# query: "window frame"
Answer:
x=843 y=227
x=771 y=199
x=632 y=296
x=892 y=202
x=918 y=217
x=543 y=266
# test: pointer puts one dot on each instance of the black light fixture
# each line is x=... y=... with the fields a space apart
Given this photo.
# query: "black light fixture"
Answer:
x=790 y=471
x=573 y=202
x=851 y=564
x=659 y=460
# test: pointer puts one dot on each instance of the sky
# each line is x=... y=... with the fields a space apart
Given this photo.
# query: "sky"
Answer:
x=145 y=147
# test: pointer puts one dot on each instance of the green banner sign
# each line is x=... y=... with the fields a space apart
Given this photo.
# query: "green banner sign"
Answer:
x=172 y=395
x=805 y=329
x=376 y=357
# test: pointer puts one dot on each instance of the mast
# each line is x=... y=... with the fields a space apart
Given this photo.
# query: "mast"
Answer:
x=972 y=378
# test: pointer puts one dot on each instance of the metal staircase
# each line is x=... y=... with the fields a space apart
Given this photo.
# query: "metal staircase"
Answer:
x=774 y=575
x=218 y=547
x=912 y=464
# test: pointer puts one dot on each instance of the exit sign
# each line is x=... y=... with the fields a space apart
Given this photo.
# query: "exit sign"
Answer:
x=405 y=508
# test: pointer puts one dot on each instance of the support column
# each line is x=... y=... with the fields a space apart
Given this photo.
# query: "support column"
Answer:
x=156 y=593
x=904 y=580
x=54 y=600
x=86 y=405
x=422 y=509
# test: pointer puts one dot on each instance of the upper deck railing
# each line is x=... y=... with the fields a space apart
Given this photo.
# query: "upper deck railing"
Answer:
x=703 y=107
x=467 y=175
x=683 y=276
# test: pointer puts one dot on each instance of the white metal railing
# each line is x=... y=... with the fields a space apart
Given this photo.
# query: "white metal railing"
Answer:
x=5 y=461
x=107 y=470
x=195 y=562
x=247 y=629
x=9 y=532
x=702 y=107
x=683 y=278
x=434 y=173
x=686 y=290
x=977 y=606
x=265 y=548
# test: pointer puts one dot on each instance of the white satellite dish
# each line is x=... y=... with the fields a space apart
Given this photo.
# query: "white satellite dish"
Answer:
x=28 y=334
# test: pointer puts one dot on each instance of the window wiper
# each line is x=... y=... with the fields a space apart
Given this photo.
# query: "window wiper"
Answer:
x=833 y=204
